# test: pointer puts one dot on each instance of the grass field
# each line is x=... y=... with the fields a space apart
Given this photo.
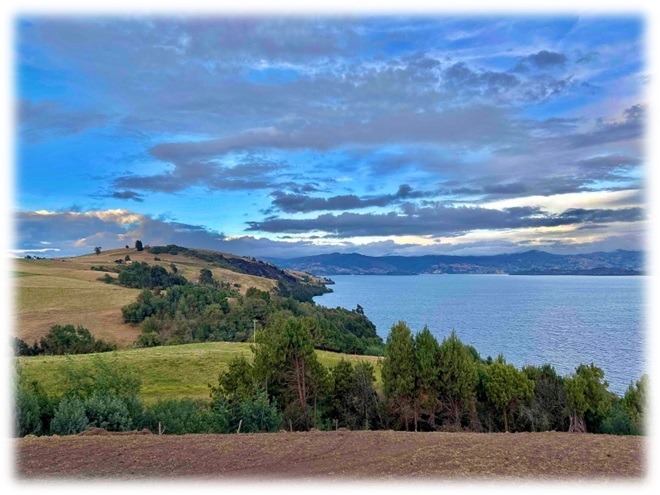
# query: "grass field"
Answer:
x=166 y=372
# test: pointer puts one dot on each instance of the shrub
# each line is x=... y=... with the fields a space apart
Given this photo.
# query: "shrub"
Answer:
x=70 y=417
x=180 y=416
x=27 y=413
x=149 y=339
x=108 y=412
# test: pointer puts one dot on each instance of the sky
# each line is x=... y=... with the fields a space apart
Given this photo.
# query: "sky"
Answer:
x=283 y=136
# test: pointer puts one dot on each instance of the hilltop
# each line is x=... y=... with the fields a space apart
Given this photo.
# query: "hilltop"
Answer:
x=68 y=290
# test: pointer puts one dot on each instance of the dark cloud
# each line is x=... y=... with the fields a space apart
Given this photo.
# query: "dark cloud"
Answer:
x=297 y=203
x=127 y=195
x=49 y=119
x=440 y=220
x=245 y=176
x=541 y=60
x=545 y=58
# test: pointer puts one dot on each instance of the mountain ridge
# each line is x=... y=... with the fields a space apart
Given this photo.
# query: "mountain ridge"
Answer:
x=509 y=263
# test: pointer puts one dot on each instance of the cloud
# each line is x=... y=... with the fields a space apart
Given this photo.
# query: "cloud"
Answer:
x=298 y=203
x=49 y=119
x=127 y=195
x=540 y=60
x=441 y=220
x=545 y=58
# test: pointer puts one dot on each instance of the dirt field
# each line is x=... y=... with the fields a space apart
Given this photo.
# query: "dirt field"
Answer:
x=344 y=455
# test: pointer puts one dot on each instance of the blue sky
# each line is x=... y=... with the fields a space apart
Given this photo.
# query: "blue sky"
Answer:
x=288 y=136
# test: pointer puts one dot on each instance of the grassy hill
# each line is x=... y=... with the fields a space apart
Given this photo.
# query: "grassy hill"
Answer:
x=166 y=372
x=67 y=291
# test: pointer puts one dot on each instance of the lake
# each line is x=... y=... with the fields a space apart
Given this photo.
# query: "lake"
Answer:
x=561 y=320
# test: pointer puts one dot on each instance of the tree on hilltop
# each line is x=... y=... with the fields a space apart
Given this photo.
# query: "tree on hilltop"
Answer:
x=138 y=245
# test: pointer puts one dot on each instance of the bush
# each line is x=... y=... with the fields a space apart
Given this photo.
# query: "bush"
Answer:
x=149 y=339
x=181 y=416
x=108 y=412
x=27 y=413
x=69 y=340
x=70 y=417
x=257 y=415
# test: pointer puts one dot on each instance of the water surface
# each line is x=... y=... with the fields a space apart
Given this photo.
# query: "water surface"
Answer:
x=561 y=320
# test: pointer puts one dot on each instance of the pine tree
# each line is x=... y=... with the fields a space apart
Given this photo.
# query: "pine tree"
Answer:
x=458 y=378
x=398 y=372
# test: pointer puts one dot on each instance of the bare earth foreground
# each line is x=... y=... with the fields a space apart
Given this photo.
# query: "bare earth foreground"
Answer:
x=332 y=455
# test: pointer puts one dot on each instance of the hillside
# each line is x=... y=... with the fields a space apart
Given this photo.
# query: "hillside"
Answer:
x=534 y=260
x=166 y=372
x=68 y=291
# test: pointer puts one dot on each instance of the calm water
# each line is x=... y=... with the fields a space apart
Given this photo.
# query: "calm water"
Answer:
x=561 y=320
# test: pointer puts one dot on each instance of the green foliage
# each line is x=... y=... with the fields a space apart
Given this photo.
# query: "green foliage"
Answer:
x=398 y=371
x=634 y=404
x=548 y=409
x=256 y=415
x=27 y=413
x=108 y=412
x=22 y=349
x=206 y=277
x=102 y=377
x=506 y=385
x=148 y=339
x=457 y=380
x=427 y=372
x=97 y=250
x=182 y=416
x=237 y=383
x=617 y=421
x=138 y=245
x=141 y=275
x=69 y=340
x=300 y=292
x=198 y=313
x=354 y=399
x=70 y=417
x=586 y=393
x=286 y=366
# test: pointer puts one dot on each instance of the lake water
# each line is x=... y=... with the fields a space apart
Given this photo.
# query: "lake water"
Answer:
x=561 y=320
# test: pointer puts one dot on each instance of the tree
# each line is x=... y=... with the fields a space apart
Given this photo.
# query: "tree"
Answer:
x=97 y=250
x=548 y=408
x=586 y=393
x=506 y=385
x=634 y=403
x=285 y=365
x=426 y=375
x=127 y=258
x=70 y=417
x=398 y=371
x=138 y=245
x=457 y=378
x=205 y=276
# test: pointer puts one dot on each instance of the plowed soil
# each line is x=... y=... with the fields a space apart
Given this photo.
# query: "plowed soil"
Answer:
x=347 y=455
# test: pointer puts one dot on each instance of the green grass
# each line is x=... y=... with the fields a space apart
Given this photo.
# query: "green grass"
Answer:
x=168 y=372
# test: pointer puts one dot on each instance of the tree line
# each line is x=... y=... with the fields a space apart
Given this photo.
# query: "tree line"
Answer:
x=426 y=386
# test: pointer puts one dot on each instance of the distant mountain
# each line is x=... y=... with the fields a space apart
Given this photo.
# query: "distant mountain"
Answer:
x=617 y=262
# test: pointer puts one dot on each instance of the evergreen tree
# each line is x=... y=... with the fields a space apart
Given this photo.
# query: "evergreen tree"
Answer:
x=138 y=245
x=587 y=393
x=427 y=372
x=398 y=372
x=505 y=385
x=457 y=379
